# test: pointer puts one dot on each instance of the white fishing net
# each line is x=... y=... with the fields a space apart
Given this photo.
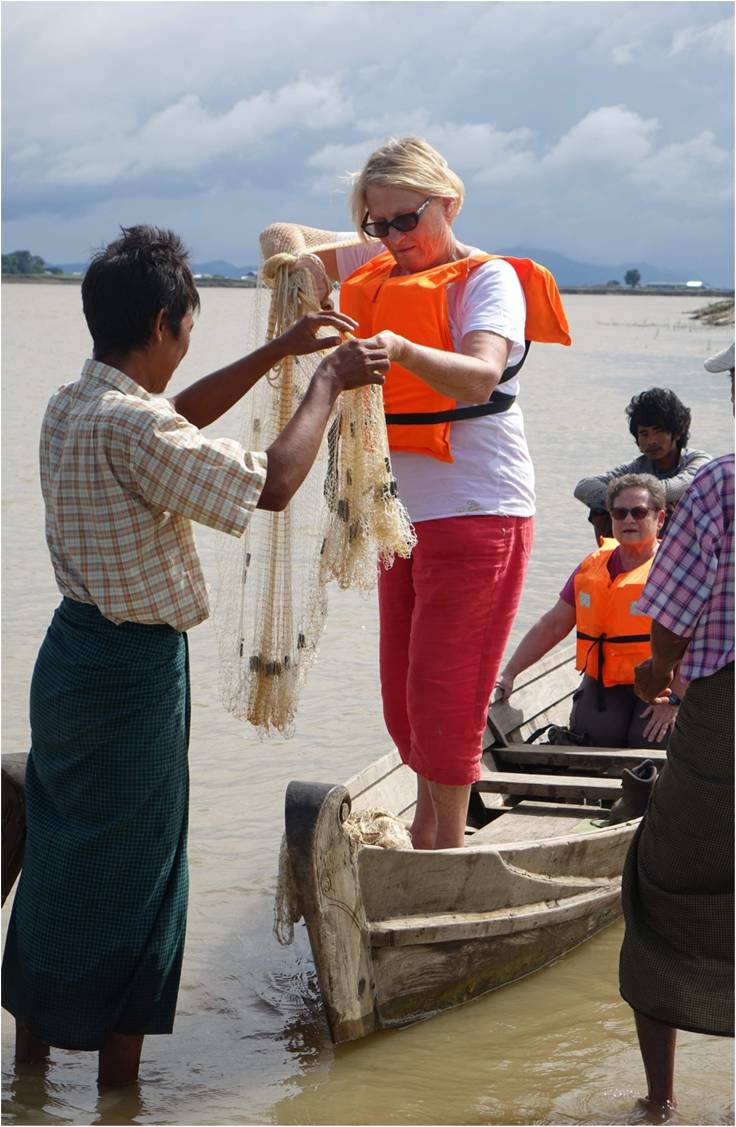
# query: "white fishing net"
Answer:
x=345 y=520
x=369 y=827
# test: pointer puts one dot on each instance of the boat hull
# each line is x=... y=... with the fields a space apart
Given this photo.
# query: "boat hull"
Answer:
x=399 y=936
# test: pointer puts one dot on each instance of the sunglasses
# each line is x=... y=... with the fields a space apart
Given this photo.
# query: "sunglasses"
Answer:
x=379 y=228
x=638 y=512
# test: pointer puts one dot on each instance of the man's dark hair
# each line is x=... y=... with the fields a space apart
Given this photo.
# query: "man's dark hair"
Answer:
x=128 y=282
x=660 y=407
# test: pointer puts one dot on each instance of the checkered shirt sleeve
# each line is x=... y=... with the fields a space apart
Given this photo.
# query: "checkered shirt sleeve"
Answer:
x=690 y=589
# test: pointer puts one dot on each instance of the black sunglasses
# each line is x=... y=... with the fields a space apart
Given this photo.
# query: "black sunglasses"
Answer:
x=379 y=228
x=638 y=512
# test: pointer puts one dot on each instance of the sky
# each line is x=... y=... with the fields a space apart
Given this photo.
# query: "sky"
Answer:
x=602 y=131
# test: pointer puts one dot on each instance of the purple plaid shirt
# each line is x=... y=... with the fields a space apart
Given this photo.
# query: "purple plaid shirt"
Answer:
x=690 y=586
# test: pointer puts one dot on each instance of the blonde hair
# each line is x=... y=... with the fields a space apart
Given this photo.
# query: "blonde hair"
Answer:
x=406 y=162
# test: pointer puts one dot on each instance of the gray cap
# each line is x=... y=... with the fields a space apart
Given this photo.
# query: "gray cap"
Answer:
x=721 y=362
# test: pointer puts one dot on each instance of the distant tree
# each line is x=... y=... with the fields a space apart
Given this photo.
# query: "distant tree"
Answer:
x=23 y=262
x=632 y=278
x=613 y=282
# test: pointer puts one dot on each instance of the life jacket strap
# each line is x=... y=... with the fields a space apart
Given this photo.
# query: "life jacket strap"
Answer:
x=496 y=405
x=600 y=641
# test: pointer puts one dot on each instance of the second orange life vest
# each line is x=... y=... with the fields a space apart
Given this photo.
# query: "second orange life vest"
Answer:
x=612 y=637
x=415 y=306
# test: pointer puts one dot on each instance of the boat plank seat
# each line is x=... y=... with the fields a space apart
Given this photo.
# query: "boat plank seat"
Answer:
x=581 y=758
x=530 y=821
x=549 y=786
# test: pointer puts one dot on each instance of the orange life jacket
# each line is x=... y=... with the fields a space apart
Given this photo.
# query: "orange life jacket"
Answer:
x=612 y=637
x=415 y=306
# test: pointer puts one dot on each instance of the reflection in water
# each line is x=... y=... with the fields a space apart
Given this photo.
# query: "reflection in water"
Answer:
x=250 y=1043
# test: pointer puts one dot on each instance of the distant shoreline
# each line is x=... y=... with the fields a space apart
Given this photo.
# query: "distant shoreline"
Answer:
x=249 y=284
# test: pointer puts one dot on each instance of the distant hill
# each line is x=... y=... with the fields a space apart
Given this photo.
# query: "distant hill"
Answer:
x=567 y=271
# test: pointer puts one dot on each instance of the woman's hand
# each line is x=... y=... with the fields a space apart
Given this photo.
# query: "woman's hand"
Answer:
x=502 y=688
x=301 y=338
x=318 y=272
x=394 y=345
x=661 y=721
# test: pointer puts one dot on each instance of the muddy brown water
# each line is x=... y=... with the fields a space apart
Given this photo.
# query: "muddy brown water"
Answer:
x=250 y=1043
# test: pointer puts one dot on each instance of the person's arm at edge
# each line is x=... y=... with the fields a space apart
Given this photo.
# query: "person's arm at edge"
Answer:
x=470 y=375
x=674 y=487
x=593 y=491
x=654 y=676
x=210 y=397
x=550 y=629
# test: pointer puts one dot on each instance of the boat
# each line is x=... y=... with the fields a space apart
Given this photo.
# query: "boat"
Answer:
x=399 y=935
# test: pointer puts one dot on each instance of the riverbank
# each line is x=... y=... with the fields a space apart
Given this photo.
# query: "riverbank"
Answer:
x=76 y=279
x=249 y=283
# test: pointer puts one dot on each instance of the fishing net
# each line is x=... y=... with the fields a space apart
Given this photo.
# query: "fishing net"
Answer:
x=369 y=827
x=343 y=522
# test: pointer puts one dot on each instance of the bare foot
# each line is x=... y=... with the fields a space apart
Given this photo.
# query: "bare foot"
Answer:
x=657 y=1111
x=119 y=1060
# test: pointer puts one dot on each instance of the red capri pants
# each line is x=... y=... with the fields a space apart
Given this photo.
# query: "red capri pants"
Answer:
x=446 y=615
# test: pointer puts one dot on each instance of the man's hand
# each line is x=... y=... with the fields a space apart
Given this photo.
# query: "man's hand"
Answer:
x=354 y=364
x=652 y=682
x=301 y=338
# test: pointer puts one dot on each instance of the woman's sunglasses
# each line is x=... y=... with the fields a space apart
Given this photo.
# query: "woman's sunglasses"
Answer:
x=638 y=512
x=379 y=228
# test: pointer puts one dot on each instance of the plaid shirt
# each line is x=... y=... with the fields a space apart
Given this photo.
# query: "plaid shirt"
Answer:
x=690 y=585
x=123 y=476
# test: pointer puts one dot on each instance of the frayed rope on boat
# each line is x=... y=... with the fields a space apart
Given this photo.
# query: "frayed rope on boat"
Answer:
x=369 y=827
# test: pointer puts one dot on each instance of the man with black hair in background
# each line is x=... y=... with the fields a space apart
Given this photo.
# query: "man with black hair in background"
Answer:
x=660 y=425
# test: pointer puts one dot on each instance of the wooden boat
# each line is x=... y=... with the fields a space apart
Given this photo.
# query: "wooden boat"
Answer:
x=397 y=935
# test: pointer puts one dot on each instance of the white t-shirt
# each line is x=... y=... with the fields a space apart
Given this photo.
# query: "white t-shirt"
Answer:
x=492 y=472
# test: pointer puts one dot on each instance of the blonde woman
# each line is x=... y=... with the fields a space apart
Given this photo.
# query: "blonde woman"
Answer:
x=456 y=323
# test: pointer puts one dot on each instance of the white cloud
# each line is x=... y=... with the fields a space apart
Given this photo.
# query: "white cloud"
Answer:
x=611 y=136
x=624 y=53
x=696 y=173
x=184 y=136
x=335 y=163
x=716 y=38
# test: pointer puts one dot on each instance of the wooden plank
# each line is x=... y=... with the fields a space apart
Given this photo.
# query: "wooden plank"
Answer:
x=549 y=786
x=323 y=866
x=13 y=816
x=587 y=758
x=526 y=706
x=530 y=821
x=421 y=882
x=371 y=774
x=453 y=926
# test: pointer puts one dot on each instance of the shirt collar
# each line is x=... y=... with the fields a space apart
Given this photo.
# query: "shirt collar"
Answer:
x=94 y=370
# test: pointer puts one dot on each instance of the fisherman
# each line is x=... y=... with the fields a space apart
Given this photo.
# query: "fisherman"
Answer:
x=660 y=425
x=676 y=967
x=95 y=943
